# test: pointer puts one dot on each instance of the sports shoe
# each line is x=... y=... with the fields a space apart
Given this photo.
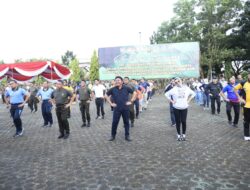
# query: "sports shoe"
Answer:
x=84 y=125
x=173 y=125
x=247 y=138
x=235 y=125
x=15 y=135
x=178 y=137
x=183 y=137
x=21 y=132
x=66 y=136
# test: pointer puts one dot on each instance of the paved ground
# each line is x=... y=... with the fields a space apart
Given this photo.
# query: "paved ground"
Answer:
x=214 y=157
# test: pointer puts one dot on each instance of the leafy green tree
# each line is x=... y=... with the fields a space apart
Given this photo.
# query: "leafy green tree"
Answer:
x=76 y=71
x=94 y=67
x=68 y=57
x=206 y=21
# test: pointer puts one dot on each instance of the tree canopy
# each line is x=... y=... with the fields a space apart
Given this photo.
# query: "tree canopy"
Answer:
x=222 y=28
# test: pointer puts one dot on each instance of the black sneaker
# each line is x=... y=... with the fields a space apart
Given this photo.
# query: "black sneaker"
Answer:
x=235 y=125
x=103 y=117
x=111 y=138
x=66 y=136
x=84 y=125
x=88 y=125
x=128 y=139
x=60 y=136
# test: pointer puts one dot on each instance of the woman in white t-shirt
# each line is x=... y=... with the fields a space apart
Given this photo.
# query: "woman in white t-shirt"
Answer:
x=181 y=96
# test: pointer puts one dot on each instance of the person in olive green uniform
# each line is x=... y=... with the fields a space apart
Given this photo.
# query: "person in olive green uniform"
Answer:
x=85 y=97
x=60 y=98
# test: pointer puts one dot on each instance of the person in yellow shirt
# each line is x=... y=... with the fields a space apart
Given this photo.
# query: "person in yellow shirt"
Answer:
x=245 y=99
x=67 y=87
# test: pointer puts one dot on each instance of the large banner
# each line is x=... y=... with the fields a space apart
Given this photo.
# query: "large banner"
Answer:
x=151 y=61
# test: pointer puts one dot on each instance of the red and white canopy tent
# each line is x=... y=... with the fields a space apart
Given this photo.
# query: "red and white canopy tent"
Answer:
x=23 y=72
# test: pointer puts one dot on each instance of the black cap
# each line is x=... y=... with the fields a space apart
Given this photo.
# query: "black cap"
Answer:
x=61 y=81
x=119 y=77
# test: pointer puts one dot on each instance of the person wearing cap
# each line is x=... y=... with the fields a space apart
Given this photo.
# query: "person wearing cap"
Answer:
x=16 y=97
x=231 y=101
x=214 y=88
x=120 y=102
x=245 y=99
x=180 y=96
x=60 y=98
x=46 y=107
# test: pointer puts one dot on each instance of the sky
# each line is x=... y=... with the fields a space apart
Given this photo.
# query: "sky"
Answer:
x=48 y=28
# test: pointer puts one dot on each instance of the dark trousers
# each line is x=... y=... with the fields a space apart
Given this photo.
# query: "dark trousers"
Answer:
x=172 y=116
x=99 y=106
x=180 y=119
x=16 y=112
x=236 y=107
x=3 y=99
x=84 y=108
x=136 y=104
x=246 y=121
x=132 y=113
x=206 y=100
x=32 y=103
x=117 y=113
x=46 y=112
x=62 y=117
x=213 y=99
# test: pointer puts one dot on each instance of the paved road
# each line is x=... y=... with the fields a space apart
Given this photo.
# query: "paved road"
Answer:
x=214 y=157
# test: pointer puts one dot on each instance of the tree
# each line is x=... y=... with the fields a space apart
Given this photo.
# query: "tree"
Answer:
x=76 y=71
x=239 y=42
x=206 y=21
x=181 y=27
x=94 y=67
x=68 y=57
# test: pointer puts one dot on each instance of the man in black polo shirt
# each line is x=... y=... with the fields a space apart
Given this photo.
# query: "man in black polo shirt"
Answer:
x=120 y=103
x=60 y=98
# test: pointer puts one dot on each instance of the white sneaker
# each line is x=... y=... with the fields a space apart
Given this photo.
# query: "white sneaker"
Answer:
x=21 y=133
x=178 y=137
x=247 y=138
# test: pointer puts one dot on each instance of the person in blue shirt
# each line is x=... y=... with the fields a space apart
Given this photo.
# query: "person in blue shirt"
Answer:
x=16 y=97
x=120 y=102
x=45 y=94
x=145 y=85
x=232 y=101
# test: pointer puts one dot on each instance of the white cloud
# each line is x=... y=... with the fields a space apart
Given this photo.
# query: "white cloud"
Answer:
x=47 y=28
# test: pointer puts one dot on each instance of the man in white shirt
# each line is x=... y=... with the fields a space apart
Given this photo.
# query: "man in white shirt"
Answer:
x=99 y=92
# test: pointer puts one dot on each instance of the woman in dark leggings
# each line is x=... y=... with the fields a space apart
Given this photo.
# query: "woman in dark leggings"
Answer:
x=181 y=96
